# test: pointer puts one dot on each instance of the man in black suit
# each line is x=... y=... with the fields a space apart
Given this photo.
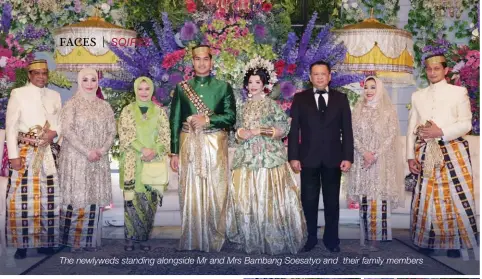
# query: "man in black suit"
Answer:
x=323 y=151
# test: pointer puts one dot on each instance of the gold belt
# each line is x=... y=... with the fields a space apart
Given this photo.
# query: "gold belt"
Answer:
x=185 y=129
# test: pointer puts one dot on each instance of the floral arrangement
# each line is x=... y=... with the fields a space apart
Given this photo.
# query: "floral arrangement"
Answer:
x=464 y=70
x=237 y=33
x=233 y=40
x=16 y=52
x=296 y=57
x=427 y=21
x=53 y=14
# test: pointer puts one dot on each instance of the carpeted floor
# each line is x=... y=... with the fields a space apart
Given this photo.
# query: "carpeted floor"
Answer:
x=319 y=261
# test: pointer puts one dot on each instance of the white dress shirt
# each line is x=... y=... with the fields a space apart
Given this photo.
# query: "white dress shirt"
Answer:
x=446 y=105
x=325 y=96
x=29 y=106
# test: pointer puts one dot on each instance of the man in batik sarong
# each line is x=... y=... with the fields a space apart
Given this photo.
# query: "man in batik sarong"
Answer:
x=443 y=206
x=202 y=110
x=32 y=193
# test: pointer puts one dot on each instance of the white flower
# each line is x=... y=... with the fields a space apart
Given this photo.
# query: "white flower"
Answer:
x=105 y=7
x=345 y=1
x=116 y=15
x=90 y=10
x=354 y=5
x=3 y=61
x=472 y=25
x=475 y=32
x=346 y=6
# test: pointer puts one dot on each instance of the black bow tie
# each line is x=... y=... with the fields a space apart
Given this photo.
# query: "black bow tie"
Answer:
x=320 y=91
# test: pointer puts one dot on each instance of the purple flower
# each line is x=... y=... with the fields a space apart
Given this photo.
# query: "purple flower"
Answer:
x=288 y=47
x=6 y=17
x=161 y=93
x=287 y=89
x=115 y=84
x=259 y=31
x=305 y=40
x=475 y=126
x=244 y=94
x=31 y=33
x=188 y=31
x=167 y=38
x=156 y=72
x=175 y=78
x=341 y=79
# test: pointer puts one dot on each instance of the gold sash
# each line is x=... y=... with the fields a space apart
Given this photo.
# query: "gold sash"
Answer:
x=197 y=150
x=196 y=101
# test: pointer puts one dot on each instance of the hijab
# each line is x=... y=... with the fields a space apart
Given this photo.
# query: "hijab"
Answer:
x=80 y=91
x=138 y=82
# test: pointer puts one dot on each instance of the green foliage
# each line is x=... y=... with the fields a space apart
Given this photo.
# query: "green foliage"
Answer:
x=424 y=26
x=59 y=79
x=352 y=95
x=283 y=9
x=385 y=11
x=139 y=11
x=22 y=77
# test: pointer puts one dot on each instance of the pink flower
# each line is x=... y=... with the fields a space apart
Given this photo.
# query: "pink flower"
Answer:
x=190 y=6
x=220 y=13
x=291 y=69
x=463 y=50
x=279 y=67
x=171 y=59
x=267 y=7
x=5 y=52
x=473 y=58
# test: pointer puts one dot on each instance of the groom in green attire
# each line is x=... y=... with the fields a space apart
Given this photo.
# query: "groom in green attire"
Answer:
x=203 y=109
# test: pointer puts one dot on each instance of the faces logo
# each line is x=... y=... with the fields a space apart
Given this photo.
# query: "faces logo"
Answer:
x=119 y=42
x=77 y=42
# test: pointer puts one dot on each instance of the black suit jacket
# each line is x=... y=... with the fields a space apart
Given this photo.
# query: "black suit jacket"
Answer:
x=316 y=139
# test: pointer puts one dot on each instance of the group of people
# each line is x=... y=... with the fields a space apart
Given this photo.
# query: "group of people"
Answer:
x=253 y=201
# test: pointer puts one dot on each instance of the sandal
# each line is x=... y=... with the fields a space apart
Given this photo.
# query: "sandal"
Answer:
x=146 y=248
x=128 y=248
x=129 y=245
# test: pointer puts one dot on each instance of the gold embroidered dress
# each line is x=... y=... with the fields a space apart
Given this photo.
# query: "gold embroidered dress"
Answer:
x=87 y=123
x=264 y=207
x=378 y=188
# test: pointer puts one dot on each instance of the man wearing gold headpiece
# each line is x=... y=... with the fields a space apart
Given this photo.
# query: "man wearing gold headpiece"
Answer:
x=443 y=205
x=202 y=110
x=32 y=196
